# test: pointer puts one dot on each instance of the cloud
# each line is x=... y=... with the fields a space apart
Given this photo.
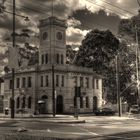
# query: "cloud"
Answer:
x=73 y=22
x=75 y=35
x=82 y=15
x=98 y=20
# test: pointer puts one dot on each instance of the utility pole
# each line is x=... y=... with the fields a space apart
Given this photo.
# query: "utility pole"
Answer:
x=118 y=86
x=52 y=61
x=137 y=62
x=13 y=70
x=53 y=92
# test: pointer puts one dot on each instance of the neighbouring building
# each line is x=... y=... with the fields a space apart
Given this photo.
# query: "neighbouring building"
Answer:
x=33 y=84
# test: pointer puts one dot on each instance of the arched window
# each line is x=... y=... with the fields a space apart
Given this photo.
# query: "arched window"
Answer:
x=57 y=58
x=18 y=102
x=62 y=59
x=23 y=102
x=44 y=97
x=29 y=102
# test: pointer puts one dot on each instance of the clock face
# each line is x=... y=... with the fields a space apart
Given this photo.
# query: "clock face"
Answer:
x=45 y=35
x=59 y=35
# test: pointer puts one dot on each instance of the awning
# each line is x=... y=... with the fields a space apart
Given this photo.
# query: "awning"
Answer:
x=41 y=102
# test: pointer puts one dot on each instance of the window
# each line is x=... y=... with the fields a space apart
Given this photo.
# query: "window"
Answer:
x=46 y=58
x=47 y=80
x=75 y=81
x=93 y=84
x=17 y=83
x=81 y=102
x=29 y=82
x=29 y=102
x=42 y=59
x=23 y=102
x=57 y=58
x=87 y=102
x=23 y=82
x=41 y=81
x=87 y=82
x=18 y=102
x=62 y=59
x=97 y=84
x=62 y=84
x=75 y=102
x=57 y=80
x=81 y=82
x=10 y=84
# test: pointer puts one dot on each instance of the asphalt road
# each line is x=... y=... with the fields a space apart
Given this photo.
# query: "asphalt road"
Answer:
x=101 y=128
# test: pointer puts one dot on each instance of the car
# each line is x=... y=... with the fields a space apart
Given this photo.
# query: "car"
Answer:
x=104 y=111
x=134 y=109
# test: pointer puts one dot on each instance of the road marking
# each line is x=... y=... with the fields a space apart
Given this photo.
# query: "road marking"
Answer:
x=87 y=131
x=76 y=133
x=131 y=138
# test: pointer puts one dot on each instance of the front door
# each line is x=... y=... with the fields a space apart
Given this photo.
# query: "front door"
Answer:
x=59 y=104
x=95 y=103
x=43 y=109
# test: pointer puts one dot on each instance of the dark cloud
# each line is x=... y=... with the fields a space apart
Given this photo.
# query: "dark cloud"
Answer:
x=98 y=20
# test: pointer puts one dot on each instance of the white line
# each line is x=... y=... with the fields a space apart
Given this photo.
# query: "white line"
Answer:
x=131 y=138
x=75 y=133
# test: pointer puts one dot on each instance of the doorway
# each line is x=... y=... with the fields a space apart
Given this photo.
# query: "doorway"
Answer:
x=59 y=104
x=43 y=105
x=95 y=103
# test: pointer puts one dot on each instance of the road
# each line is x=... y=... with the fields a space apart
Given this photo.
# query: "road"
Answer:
x=100 y=128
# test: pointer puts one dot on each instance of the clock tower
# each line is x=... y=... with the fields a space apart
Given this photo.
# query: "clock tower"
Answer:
x=52 y=41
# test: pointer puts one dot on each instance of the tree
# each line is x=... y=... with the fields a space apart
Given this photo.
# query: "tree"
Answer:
x=128 y=27
x=70 y=54
x=29 y=53
x=97 y=50
x=127 y=30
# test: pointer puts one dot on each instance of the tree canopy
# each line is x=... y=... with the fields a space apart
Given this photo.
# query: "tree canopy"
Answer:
x=97 y=50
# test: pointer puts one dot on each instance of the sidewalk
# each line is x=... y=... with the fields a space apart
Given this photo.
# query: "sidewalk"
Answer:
x=82 y=118
x=46 y=118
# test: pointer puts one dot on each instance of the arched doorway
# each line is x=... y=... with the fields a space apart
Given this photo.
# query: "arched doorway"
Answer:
x=95 y=103
x=43 y=105
x=59 y=104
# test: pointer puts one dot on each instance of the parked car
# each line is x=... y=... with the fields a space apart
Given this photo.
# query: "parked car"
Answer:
x=104 y=111
x=135 y=109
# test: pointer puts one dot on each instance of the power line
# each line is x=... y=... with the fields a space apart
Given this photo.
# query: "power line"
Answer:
x=31 y=9
x=118 y=7
x=106 y=8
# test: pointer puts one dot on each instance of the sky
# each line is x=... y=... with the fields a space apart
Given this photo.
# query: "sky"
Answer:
x=81 y=16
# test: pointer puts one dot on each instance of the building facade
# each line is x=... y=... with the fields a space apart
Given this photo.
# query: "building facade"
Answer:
x=33 y=85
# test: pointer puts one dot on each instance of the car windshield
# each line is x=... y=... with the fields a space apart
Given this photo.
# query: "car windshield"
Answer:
x=108 y=109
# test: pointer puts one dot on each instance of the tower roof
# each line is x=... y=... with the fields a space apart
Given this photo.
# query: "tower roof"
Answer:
x=52 y=21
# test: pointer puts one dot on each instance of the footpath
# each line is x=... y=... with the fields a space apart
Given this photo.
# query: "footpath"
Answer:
x=82 y=118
